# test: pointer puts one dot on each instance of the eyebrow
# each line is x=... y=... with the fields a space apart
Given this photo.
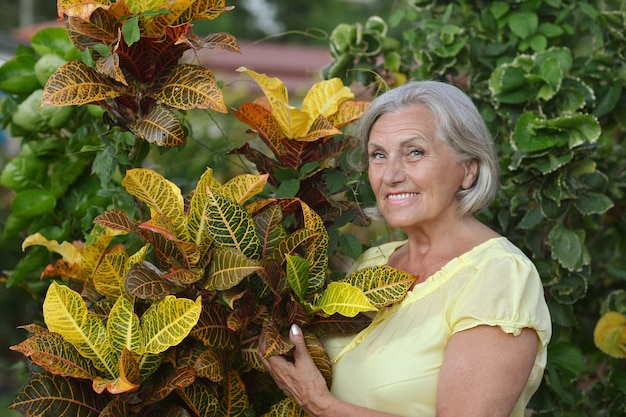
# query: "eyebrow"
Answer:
x=405 y=142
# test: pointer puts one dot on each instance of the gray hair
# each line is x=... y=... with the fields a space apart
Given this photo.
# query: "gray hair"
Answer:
x=459 y=124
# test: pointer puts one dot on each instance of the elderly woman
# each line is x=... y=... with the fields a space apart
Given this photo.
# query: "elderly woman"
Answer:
x=470 y=337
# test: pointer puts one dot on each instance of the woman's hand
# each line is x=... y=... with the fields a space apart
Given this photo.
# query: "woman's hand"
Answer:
x=300 y=380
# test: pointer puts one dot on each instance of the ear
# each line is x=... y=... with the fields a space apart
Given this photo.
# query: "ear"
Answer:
x=471 y=173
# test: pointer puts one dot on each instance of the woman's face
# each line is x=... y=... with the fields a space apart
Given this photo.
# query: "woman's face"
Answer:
x=414 y=174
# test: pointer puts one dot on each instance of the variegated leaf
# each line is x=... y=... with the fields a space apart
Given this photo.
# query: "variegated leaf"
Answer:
x=74 y=83
x=285 y=408
x=324 y=98
x=298 y=275
x=248 y=317
x=228 y=268
x=168 y=321
x=183 y=276
x=293 y=122
x=250 y=354
x=128 y=380
x=348 y=112
x=54 y=395
x=235 y=400
x=196 y=220
x=65 y=313
x=212 y=329
x=262 y=121
x=110 y=66
x=273 y=275
x=148 y=364
x=211 y=364
x=160 y=194
x=344 y=299
x=179 y=378
x=116 y=220
x=320 y=128
x=183 y=11
x=319 y=355
x=338 y=324
x=269 y=228
x=290 y=243
x=160 y=127
x=93 y=252
x=79 y=8
x=275 y=343
x=200 y=398
x=161 y=225
x=383 y=285
x=230 y=225
x=109 y=276
x=243 y=187
x=191 y=86
x=140 y=6
x=316 y=252
x=144 y=282
x=123 y=327
x=56 y=355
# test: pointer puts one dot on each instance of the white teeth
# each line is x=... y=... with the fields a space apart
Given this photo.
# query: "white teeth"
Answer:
x=400 y=196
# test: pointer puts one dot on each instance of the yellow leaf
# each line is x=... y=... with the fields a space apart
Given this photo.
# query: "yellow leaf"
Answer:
x=69 y=252
x=167 y=322
x=325 y=97
x=65 y=313
x=345 y=299
x=108 y=277
x=610 y=334
x=243 y=187
x=123 y=327
x=291 y=120
x=160 y=194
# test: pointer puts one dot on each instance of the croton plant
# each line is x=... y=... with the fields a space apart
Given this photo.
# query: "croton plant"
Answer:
x=159 y=310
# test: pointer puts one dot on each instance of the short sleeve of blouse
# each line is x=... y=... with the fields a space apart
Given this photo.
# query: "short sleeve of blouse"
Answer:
x=504 y=291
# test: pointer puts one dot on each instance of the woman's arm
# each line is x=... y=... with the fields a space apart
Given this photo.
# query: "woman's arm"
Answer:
x=484 y=372
x=303 y=382
x=483 y=375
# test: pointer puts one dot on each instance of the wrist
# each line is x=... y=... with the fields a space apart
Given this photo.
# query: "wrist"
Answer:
x=322 y=406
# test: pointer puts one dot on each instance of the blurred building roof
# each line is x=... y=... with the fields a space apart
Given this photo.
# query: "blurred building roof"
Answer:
x=297 y=66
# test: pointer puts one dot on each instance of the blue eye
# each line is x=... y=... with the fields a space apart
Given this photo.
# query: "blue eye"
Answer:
x=376 y=155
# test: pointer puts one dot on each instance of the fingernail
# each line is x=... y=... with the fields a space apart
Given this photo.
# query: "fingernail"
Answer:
x=295 y=330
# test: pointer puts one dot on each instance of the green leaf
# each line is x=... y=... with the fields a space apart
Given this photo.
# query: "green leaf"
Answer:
x=168 y=321
x=567 y=357
x=528 y=134
x=17 y=75
x=33 y=203
x=350 y=245
x=288 y=188
x=531 y=219
x=52 y=40
x=566 y=247
x=23 y=172
x=523 y=24
x=130 y=30
x=298 y=275
x=588 y=203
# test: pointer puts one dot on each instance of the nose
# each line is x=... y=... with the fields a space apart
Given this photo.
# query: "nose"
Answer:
x=394 y=172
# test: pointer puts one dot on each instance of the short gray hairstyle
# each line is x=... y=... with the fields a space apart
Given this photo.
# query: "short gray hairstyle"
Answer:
x=459 y=124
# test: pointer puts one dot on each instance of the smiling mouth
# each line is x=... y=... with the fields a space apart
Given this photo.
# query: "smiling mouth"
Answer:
x=401 y=196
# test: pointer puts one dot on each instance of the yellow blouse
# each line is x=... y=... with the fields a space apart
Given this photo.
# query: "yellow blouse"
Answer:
x=393 y=365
